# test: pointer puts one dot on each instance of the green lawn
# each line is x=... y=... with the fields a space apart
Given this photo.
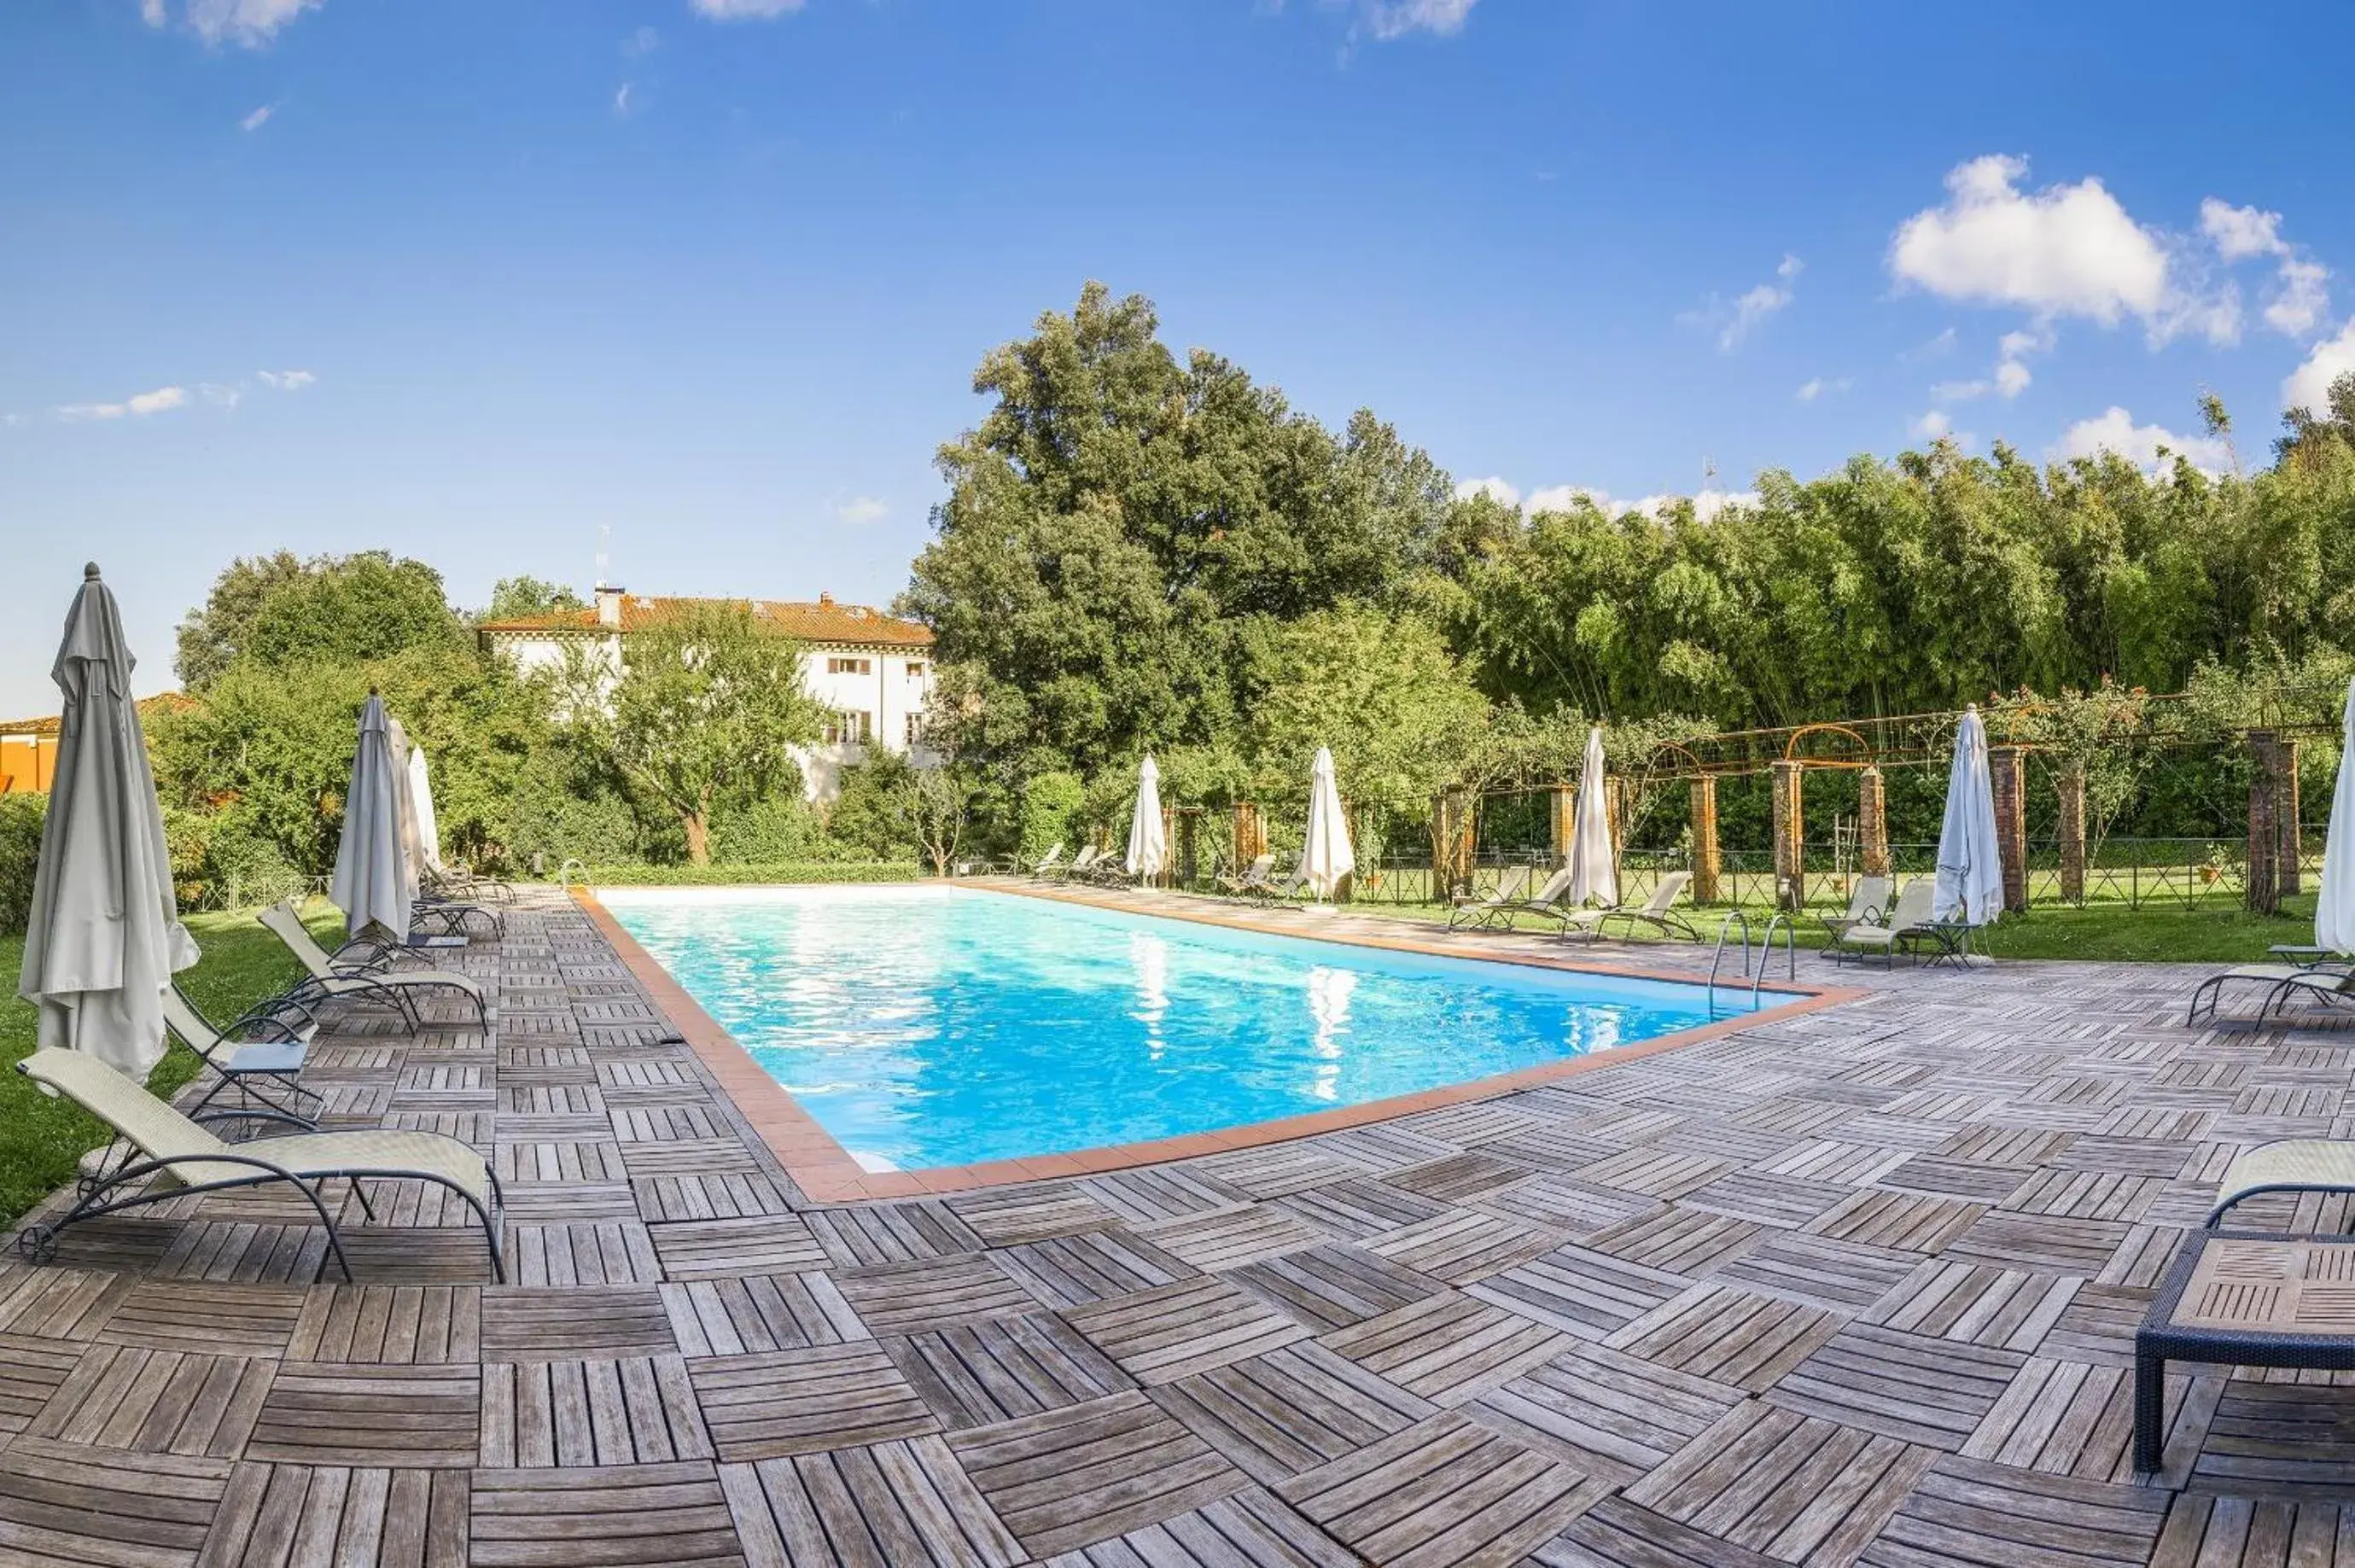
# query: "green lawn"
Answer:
x=41 y=1138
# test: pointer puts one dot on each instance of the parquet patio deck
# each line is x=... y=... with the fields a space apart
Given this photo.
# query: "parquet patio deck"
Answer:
x=1852 y=1287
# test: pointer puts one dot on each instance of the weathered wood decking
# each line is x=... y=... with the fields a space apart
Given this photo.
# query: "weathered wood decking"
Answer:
x=1853 y=1286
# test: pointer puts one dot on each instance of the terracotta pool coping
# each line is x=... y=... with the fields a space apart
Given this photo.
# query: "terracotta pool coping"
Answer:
x=826 y=1173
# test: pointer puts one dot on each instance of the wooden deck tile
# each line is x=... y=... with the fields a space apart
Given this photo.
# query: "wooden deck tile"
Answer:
x=395 y=1324
x=2279 y=1440
x=1360 y=1207
x=1158 y=1193
x=1443 y=1492
x=1249 y=1529
x=1447 y=1349
x=1612 y=1415
x=1793 y=1488
x=1900 y=1221
x=210 y=1320
x=1068 y=1479
x=638 y=1410
x=1976 y=1304
x=2053 y=1243
x=1291 y=1410
x=1461 y=1245
x=64 y=1503
x=1092 y=1265
x=60 y=1303
x=2060 y=1418
x=1229 y=1238
x=1334 y=1284
x=784 y=1402
x=1584 y=1293
x=2209 y=1532
x=978 y=1373
x=1030 y=1213
x=894 y=1505
x=521 y=1324
x=157 y=1402
x=743 y=1315
x=1175 y=1330
x=1969 y=1510
x=891 y=1234
x=31 y=1368
x=1764 y=1198
x=644 y=1516
x=274 y=1516
x=1932 y=1392
x=1616 y=1533
x=1816 y=1270
x=1727 y=1336
x=916 y=1297
x=711 y=1249
x=319 y=1413
x=1679 y=1240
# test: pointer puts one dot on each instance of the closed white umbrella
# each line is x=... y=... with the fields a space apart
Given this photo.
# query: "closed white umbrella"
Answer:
x=104 y=938
x=1594 y=873
x=1148 y=843
x=1325 y=857
x=420 y=812
x=374 y=884
x=1970 y=867
x=2334 y=911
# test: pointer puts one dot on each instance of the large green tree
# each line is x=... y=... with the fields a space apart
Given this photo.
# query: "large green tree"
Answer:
x=279 y=610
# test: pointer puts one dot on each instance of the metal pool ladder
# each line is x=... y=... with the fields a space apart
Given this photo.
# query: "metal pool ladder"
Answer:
x=1782 y=919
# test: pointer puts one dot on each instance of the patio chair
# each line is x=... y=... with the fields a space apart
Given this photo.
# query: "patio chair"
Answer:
x=1046 y=863
x=1548 y=900
x=333 y=978
x=2286 y=1165
x=191 y=1159
x=1657 y=911
x=2327 y=982
x=1080 y=864
x=1253 y=876
x=1497 y=908
x=1867 y=902
x=1279 y=889
x=261 y=1056
x=1906 y=921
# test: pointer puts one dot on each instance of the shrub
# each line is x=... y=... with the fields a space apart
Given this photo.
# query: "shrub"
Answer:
x=687 y=876
x=1053 y=811
x=779 y=831
x=20 y=853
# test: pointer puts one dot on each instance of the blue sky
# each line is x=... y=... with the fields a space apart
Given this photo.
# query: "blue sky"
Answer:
x=480 y=281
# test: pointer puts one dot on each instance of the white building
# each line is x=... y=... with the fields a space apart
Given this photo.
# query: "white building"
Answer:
x=872 y=672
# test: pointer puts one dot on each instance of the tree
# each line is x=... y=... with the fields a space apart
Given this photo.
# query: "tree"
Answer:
x=335 y=609
x=705 y=708
x=514 y=598
x=1379 y=689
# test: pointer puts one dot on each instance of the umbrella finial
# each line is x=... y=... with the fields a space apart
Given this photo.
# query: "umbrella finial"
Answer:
x=90 y=571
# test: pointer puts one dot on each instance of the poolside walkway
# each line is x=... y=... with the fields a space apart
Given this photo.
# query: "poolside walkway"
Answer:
x=1857 y=1285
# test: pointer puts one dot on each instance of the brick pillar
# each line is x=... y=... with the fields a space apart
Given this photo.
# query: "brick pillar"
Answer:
x=2285 y=810
x=1251 y=834
x=1708 y=866
x=1563 y=815
x=1168 y=874
x=1185 y=821
x=2264 y=888
x=1873 y=823
x=2007 y=771
x=2070 y=784
x=1452 y=831
x=1790 y=836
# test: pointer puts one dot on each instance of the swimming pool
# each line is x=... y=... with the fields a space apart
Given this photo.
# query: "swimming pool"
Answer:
x=935 y=1025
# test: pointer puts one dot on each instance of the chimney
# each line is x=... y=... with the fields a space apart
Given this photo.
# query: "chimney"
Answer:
x=825 y=600
x=608 y=605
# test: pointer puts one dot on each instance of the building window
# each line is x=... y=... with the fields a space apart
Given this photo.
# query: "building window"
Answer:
x=915 y=728
x=849 y=727
x=850 y=667
x=916 y=670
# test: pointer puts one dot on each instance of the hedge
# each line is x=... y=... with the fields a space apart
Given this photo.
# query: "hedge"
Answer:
x=726 y=876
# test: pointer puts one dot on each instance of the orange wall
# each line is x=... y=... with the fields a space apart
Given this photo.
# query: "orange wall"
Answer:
x=26 y=761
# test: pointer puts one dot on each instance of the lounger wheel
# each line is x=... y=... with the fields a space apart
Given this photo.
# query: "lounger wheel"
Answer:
x=37 y=1244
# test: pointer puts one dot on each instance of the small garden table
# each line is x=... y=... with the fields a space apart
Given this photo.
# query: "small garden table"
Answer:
x=2243 y=1299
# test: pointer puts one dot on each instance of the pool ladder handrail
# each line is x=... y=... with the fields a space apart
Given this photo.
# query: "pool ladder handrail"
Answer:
x=1767 y=953
x=1717 y=958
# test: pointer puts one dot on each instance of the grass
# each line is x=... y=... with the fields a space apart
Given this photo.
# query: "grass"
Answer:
x=41 y=1139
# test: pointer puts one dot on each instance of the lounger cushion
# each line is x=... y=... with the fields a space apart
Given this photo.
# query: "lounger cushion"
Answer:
x=261 y=1058
x=2322 y=1163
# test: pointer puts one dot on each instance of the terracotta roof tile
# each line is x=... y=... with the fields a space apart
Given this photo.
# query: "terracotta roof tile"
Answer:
x=823 y=621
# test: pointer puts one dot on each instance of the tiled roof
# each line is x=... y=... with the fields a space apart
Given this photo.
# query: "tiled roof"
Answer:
x=823 y=621
x=162 y=702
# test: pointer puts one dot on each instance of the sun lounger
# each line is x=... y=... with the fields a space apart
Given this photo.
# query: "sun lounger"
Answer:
x=2286 y=1165
x=1254 y=876
x=1548 y=900
x=191 y=1159
x=261 y=1056
x=1279 y=889
x=2323 y=982
x=1046 y=864
x=1906 y=921
x=332 y=979
x=1080 y=863
x=1496 y=908
x=1868 y=902
x=1657 y=911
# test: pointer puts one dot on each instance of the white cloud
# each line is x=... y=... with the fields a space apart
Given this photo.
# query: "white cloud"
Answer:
x=1706 y=504
x=1495 y=489
x=285 y=380
x=1930 y=426
x=220 y=397
x=1733 y=322
x=138 y=406
x=622 y=100
x=2240 y=232
x=862 y=509
x=251 y=23
x=2309 y=386
x=2304 y=300
x=1389 y=19
x=745 y=10
x=2067 y=249
x=2114 y=430
x=1816 y=386
x=152 y=12
x=259 y=118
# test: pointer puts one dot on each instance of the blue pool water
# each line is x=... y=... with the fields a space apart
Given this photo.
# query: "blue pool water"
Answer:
x=926 y=1026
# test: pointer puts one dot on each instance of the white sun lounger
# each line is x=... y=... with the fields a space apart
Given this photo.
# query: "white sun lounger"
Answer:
x=1496 y=908
x=349 y=982
x=1657 y=911
x=266 y=1072
x=190 y=1158
x=2323 y=982
x=2286 y=1165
